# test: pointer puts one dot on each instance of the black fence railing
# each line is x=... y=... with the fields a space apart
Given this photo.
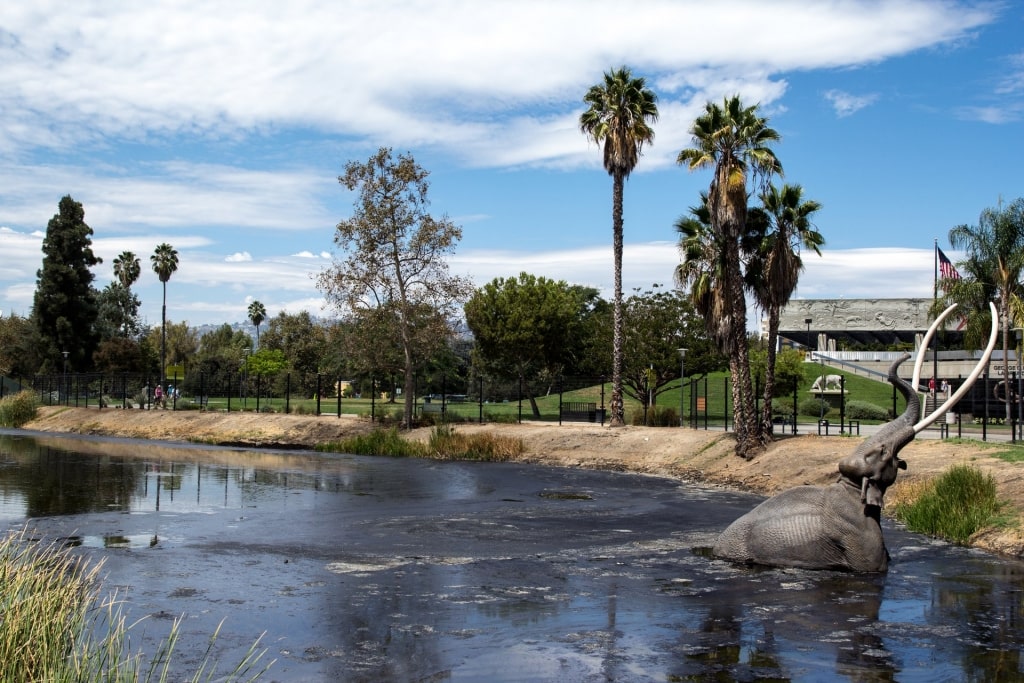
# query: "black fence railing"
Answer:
x=697 y=403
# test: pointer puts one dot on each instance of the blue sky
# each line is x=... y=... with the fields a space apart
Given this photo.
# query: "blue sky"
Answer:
x=221 y=128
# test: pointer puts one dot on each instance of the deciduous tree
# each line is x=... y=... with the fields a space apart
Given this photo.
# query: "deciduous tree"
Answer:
x=394 y=253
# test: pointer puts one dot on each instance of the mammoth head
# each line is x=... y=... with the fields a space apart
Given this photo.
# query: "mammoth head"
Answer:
x=874 y=464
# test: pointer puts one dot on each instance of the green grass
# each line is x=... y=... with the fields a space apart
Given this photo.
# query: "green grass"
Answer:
x=1003 y=451
x=55 y=626
x=954 y=506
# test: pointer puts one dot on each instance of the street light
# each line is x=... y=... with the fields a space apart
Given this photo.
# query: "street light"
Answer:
x=1019 y=332
x=682 y=376
x=66 y=392
x=245 y=377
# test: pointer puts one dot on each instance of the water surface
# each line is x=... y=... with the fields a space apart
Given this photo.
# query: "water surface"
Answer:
x=381 y=569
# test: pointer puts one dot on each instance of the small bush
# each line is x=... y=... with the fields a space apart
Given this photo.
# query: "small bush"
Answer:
x=955 y=506
x=862 y=410
x=18 y=409
x=814 y=407
x=656 y=417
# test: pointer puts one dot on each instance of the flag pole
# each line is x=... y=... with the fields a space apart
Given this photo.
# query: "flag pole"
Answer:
x=935 y=338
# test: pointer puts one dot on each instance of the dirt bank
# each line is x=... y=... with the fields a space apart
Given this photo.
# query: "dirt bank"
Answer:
x=680 y=453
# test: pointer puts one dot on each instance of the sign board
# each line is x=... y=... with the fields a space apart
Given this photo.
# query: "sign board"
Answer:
x=175 y=372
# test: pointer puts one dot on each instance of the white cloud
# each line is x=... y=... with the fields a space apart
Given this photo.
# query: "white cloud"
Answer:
x=846 y=104
x=239 y=257
x=454 y=74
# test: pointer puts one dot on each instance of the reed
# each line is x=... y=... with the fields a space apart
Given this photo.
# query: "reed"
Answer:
x=447 y=443
x=55 y=625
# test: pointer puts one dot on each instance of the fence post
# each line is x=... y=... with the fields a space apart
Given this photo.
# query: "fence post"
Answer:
x=603 y=411
x=319 y=388
x=337 y=390
x=520 y=418
x=287 y=393
x=373 y=400
x=481 y=412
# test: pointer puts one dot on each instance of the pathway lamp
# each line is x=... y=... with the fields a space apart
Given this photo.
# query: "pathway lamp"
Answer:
x=245 y=377
x=682 y=378
x=66 y=392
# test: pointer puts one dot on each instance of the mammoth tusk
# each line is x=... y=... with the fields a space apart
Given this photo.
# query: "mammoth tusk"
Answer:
x=916 y=380
x=969 y=382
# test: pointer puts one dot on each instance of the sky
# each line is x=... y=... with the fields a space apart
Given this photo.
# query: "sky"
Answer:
x=221 y=129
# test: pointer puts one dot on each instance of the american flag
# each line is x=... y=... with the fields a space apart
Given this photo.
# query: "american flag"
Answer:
x=946 y=268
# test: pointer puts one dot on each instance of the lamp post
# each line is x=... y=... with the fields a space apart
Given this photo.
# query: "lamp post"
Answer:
x=1019 y=332
x=682 y=377
x=66 y=392
x=245 y=378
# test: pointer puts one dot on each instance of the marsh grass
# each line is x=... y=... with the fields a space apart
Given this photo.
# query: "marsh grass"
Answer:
x=449 y=444
x=56 y=627
x=445 y=443
x=954 y=506
x=18 y=409
x=378 y=442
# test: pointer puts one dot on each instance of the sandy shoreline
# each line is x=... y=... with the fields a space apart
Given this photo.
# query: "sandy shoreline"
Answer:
x=692 y=455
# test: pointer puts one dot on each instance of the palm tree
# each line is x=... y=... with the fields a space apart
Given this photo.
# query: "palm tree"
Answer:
x=165 y=262
x=257 y=314
x=775 y=265
x=992 y=270
x=127 y=269
x=620 y=114
x=733 y=140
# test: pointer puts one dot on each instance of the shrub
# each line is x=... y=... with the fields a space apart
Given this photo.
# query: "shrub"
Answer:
x=955 y=506
x=863 y=410
x=814 y=407
x=18 y=409
x=656 y=417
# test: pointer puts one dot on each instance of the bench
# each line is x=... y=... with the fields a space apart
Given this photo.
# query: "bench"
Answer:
x=435 y=408
x=578 y=411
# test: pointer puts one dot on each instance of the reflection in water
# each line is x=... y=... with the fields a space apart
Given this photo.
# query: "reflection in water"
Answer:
x=395 y=570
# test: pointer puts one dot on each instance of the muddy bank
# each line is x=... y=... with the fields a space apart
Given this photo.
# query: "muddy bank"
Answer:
x=693 y=455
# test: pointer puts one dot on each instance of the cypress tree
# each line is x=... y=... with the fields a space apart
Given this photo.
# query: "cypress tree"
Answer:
x=64 y=308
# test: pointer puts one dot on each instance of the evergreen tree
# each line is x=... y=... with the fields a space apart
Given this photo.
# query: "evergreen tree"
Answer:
x=64 y=307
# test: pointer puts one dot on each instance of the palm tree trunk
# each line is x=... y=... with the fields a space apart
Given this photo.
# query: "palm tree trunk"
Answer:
x=163 y=339
x=769 y=373
x=618 y=416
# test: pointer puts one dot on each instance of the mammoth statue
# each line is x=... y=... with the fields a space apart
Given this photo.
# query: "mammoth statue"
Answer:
x=827 y=382
x=839 y=526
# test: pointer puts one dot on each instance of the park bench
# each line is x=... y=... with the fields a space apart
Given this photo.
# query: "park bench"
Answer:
x=578 y=411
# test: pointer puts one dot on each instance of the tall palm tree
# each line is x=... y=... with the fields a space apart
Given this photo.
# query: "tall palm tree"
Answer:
x=775 y=265
x=127 y=269
x=992 y=270
x=165 y=262
x=621 y=111
x=734 y=141
x=257 y=314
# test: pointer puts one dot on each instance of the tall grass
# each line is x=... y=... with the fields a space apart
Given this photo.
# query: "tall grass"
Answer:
x=55 y=626
x=445 y=443
x=954 y=506
x=18 y=409
x=448 y=444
